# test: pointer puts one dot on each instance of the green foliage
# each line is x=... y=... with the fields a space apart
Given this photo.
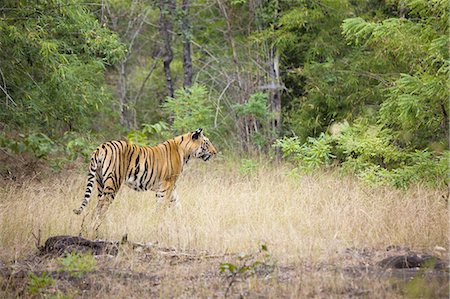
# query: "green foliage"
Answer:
x=415 y=103
x=76 y=145
x=416 y=109
x=256 y=107
x=248 y=167
x=421 y=167
x=367 y=151
x=39 y=144
x=421 y=287
x=390 y=80
x=37 y=283
x=190 y=109
x=56 y=152
x=77 y=264
x=52 y=61
x=382 y=66
x=327 y=82
x=237 y=2
x=150 y=134
x=248 y=265
x=257 y=114
x=315 y=153
x=367 y=144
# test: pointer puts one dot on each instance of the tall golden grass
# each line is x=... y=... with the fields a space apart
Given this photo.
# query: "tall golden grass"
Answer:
x=296 y=216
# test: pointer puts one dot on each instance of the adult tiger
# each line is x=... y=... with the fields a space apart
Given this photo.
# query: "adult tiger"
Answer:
x=141 y=168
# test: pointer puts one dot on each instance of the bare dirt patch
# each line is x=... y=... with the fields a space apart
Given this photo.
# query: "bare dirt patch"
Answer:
x=148 y=270
x=15 y=168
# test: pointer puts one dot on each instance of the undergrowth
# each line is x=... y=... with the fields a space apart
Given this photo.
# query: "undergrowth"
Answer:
x=370 y=153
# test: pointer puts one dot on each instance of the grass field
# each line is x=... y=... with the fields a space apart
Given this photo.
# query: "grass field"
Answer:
x=312 y=219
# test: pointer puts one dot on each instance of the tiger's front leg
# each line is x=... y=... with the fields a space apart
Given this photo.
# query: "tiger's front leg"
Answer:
x=168 y=195
x=174 y=200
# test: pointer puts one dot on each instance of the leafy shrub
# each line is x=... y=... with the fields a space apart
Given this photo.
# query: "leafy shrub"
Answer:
x=315 y=153
x=77 y=264
x=75 y=145
x=36 y=283
x=190 y=109
x=248 y=167
x=257 y=117
x=150 y=133
x=38 y=144
x=368 y=152
x=256 y=106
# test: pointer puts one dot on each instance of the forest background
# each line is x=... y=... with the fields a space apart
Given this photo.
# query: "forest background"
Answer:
x=358 y=86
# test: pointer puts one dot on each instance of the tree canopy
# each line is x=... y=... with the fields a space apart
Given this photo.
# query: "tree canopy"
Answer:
x=358 y=84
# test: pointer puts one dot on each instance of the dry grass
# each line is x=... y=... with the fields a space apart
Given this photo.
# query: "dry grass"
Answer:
x=310 y=216
x=308 y=222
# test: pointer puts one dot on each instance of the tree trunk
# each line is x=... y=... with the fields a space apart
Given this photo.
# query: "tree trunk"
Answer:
x=242 y=124
x=275 y=95
x=186 y=32
x=445 y=121
x=127 y=114
x=167 y=10
x=129 y=35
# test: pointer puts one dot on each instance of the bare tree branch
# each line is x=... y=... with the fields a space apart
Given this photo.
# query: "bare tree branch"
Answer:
x=152 y=68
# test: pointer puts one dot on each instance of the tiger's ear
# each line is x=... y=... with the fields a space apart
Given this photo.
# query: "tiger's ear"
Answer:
x=196 y=134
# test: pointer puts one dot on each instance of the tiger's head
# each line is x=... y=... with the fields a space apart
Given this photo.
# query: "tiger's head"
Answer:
x=202 y=148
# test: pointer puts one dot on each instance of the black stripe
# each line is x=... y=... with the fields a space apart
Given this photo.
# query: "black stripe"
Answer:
x=107 y=149
x=113 y=156
x=129 y=160
x=154 y=166
x=136 y=167
x=144 y=175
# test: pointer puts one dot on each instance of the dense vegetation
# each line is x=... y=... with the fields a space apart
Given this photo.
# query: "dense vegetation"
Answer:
x=357 y=85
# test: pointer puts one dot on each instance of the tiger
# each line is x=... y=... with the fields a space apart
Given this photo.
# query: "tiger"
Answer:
x=142 y=168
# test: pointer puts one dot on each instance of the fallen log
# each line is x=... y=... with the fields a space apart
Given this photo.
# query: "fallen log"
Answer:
x=412 y=260
x=59 y=245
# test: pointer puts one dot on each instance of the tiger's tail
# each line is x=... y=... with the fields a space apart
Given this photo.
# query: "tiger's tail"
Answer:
x=90 y=182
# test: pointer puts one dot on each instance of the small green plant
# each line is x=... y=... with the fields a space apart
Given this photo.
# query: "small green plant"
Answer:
x=419 y=286
x=248 y=265
x=248 y=167
x=77 y=264
x=36 y=283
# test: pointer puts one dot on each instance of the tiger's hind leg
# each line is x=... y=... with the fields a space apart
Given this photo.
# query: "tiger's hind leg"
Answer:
x=106 y=194
x=83 y=229
x=100 y=211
